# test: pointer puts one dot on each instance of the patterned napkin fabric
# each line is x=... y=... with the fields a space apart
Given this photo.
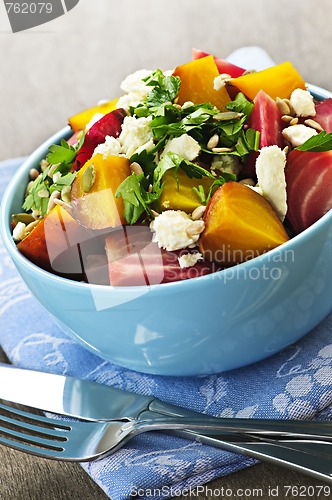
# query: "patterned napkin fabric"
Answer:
x=296 y=383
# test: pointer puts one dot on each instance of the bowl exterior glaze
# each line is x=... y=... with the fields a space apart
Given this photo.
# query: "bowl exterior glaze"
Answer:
x=201 y=326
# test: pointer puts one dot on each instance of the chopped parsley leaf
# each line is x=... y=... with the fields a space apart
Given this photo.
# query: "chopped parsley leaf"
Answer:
x=318 y=143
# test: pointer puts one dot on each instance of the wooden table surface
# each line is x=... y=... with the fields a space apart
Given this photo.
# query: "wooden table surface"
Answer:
x=55 y=70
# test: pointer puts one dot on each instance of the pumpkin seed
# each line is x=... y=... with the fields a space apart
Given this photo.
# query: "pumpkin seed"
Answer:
x=228 y=115
x=88 y=178
x=25 y=218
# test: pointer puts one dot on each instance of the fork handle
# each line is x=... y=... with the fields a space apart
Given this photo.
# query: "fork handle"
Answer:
x=314 y=459
x=167 y=416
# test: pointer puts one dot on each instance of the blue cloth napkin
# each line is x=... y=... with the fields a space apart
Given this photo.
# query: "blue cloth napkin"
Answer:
x=296 y=383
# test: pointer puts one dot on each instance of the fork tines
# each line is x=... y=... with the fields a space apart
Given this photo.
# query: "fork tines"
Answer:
x=31 y=432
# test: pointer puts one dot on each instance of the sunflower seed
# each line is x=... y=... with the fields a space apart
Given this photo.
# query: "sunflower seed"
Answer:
x=291 y=107
x=198 y=212
x=288 y=145
x=28 y=189
x=33 y=174
x=282 y=106
x=54 y=196
x=294 y=121
x=43 y=165
x=222 y=150
x=65 y=206
x=31 y=226
x=88 y=178
x=313 y=124
x=213 y=141
x=52 y=169
x=136 y=168
x=36 y=214
x=247 y=182
x=287 y=118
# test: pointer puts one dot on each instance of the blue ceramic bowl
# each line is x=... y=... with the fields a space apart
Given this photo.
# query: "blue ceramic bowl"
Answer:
x=200 y=326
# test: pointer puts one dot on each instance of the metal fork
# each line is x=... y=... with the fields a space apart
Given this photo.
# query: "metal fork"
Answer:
x=80 y=440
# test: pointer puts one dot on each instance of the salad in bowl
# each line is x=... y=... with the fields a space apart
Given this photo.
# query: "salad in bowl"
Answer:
x=189 y=172
x=184 y=228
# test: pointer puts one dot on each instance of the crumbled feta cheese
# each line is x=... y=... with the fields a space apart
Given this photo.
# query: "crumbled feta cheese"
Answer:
x=270 y=170
x=148 y=146
x=111 y=147
x=190 y=259
x=136 y=89
x=136 y=135
x=134 y=82
x=184 y=146
x=298 y=134
x=226 y=163
x=303 y=103
x=19 y=231
x=174 y=230
x=219 y=82
x=129 y=100
x=96 y=117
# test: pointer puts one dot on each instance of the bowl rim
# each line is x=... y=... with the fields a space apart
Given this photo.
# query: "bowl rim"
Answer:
x=39 y=153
